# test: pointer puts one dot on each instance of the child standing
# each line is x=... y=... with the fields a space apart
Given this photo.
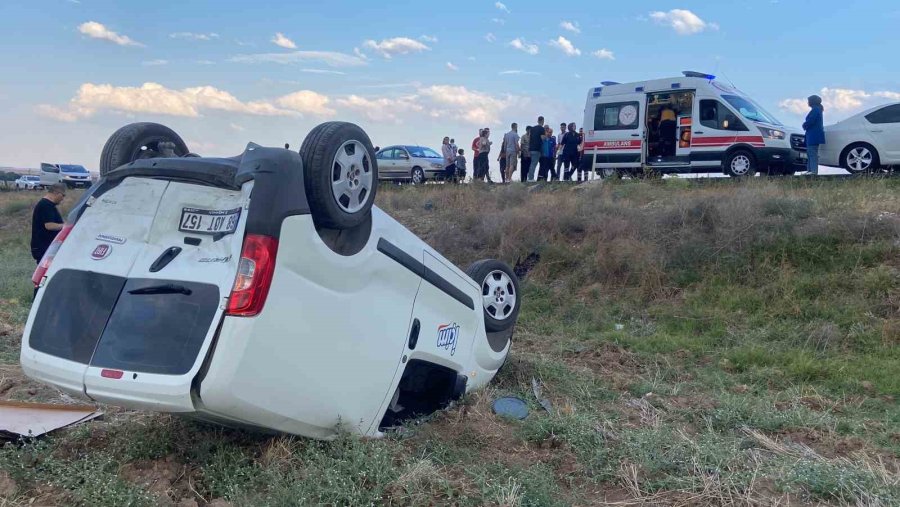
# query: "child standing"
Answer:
x=460 y=162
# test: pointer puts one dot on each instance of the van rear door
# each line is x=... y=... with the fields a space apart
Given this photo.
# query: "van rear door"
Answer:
x=167 y=313
x=615 y=132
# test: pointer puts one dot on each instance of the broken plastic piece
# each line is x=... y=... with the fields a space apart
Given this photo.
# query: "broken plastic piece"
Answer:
x=510 y=407
x=20 y=419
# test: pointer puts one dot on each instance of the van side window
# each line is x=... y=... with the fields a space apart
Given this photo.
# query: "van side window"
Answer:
x=49 y=168
x=617 y=116
x=714 y=115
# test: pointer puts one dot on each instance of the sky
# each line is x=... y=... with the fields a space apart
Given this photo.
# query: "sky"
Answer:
x=224 y=73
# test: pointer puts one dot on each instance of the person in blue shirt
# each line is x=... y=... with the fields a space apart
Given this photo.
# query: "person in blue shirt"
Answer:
x=548 y=154
x=815 y=132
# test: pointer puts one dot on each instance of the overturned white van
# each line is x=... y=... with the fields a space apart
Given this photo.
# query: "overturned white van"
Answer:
x=263 y=290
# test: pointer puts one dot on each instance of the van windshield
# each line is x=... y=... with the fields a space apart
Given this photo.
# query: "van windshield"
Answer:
x=72 y=168
x=750 y=110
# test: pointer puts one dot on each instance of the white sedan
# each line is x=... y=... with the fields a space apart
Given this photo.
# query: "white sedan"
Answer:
x=28 y=182
x=866 y=142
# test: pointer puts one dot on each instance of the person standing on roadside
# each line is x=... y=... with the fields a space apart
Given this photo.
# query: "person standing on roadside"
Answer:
x=510 y=149
x=581 y=152
x=476 y=168
x=449 y=159
x=535 y=146
x=559 y=157
x=548 y=155
x=501 y=157
x=525 y=154
x=568 y=152
x=453 y=145
x=484 y=149
x=46 y=222
x=815 y=133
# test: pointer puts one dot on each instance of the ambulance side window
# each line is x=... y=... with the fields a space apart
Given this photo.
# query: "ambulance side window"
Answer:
x=617 y=116
x=714 y=115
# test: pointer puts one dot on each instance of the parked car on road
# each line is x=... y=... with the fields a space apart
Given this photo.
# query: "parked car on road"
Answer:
x=866 y=142
x=71 y=174
x=416 y=164
x=27 y=182
x=263 y=290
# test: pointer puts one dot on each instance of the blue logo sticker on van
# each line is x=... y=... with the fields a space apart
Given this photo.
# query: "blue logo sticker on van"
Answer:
x=448 y=335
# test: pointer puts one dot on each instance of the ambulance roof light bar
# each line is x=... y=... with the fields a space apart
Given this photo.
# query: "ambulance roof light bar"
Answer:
x=691 y=73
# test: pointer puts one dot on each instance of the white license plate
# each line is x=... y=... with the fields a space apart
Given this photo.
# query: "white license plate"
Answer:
x=204 y=221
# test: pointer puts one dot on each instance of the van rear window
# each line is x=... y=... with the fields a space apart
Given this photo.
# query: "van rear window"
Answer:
x=73 y=312
x=158 y=326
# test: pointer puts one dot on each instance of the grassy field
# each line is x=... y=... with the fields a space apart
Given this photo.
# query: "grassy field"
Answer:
x=733 y=343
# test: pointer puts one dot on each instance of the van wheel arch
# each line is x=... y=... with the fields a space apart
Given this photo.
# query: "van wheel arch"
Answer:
x=732 y=153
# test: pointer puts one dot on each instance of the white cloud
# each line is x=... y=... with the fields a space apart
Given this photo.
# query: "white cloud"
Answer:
x=437 y=102
x=306 y=102
x=323 y=71
x=236 y=127
x=96 y=30
x=428 y=38
x=279 y=39
x=502 y=7
x=153 y=98
x=153 y=63
x=330 y=58
x=490 y=37
x=205 y=62
x=517 y=72
x=841 y=100
x=522 y=45
x=572 y=27
x=396 y=46
x=683 y=21
x=194 y=36
x=499 y=21
x=566 y=46
x=452 y=67
x=604 y=54
x=382 y=109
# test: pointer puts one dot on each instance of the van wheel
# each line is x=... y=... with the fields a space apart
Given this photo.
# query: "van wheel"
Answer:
x=500 y=298
x=138 y=141
x=740 y=164
x=340 y=174
x=860 y=158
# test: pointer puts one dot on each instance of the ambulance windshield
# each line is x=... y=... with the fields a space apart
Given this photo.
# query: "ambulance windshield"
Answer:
x=750 y=110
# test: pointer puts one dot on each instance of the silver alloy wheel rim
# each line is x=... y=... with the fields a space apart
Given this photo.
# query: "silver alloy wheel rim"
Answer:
x=498 y=295
x=417 y=176
x=740 y=165
x=351 y=176
x=859 y=159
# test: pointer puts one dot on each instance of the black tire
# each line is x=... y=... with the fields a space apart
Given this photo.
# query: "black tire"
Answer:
x=480 y=271
x=737 y=159
x=417 y=176
x=873 y=167
x=319 y=152
x=137 y=141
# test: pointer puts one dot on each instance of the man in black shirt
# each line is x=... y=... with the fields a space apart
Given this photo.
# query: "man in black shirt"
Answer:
x=46 y=221
x=535 y=145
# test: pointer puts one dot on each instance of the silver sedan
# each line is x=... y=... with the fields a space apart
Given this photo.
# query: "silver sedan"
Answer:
x=409 y=163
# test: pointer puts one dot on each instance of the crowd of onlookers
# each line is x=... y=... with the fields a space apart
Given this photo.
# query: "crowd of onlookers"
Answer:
x=539 y=154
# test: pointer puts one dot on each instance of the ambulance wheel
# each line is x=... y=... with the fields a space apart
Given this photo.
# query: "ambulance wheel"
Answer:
x=138 y=141
x=740 y=164
x=340 y=174
x=500 y=298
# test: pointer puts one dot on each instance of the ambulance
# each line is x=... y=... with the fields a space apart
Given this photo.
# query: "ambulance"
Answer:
x=687 y=124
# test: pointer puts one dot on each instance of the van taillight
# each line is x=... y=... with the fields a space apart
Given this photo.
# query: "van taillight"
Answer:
x=254 y=276
x=47 y=259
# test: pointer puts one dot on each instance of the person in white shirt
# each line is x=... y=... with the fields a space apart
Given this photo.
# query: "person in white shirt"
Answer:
x=511 y=148
x=449 y=159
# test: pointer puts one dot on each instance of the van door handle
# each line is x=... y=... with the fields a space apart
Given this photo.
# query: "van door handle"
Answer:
x=876 y=131
x=698 y=132
x=165 y=258
x=414 y=334
x=635 y=135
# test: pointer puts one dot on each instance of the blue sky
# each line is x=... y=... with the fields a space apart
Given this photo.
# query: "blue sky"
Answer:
x=409 y=72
